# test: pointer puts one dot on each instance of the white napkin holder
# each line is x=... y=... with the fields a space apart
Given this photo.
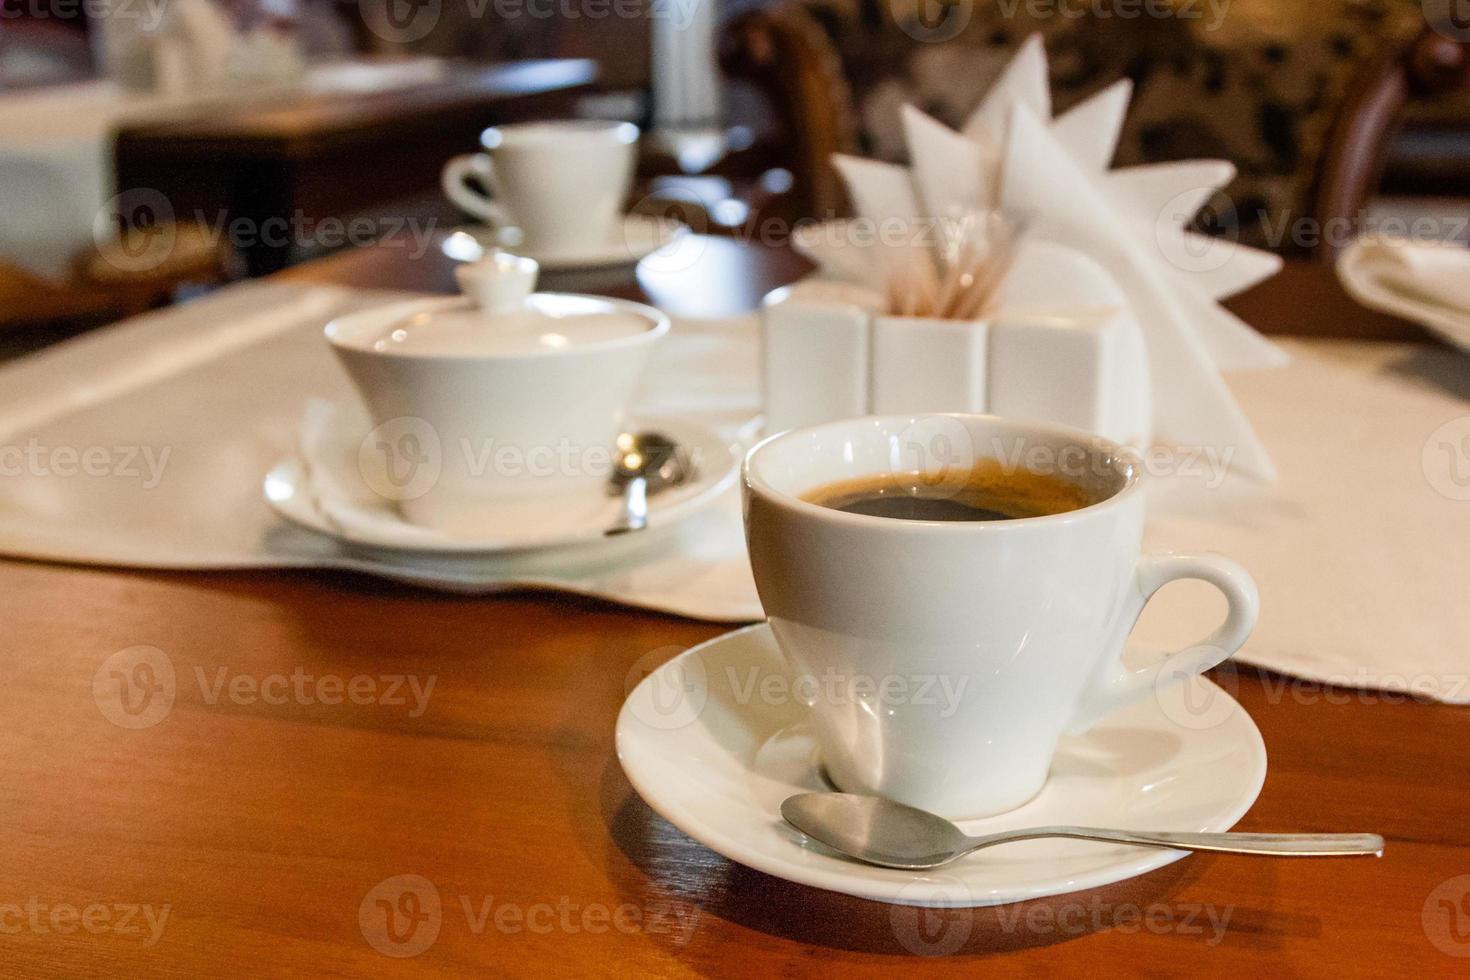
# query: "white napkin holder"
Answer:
x=1064 y=347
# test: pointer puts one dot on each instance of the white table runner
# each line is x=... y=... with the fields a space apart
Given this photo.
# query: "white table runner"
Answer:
x=1362 y=549
x=182 y=412
x=144 y=445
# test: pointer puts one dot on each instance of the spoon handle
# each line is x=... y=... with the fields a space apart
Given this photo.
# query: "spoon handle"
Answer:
x=635 y=508
x=1278 y=845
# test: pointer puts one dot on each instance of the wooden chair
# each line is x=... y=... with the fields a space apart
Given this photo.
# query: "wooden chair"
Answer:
x=782 y=52
x=1431 y=64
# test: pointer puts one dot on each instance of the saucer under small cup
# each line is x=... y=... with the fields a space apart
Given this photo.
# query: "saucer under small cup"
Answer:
x=716 y=738
x=633 y=238
x=358 y=517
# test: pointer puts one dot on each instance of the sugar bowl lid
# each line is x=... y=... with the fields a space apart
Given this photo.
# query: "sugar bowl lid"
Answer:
x=500 y=315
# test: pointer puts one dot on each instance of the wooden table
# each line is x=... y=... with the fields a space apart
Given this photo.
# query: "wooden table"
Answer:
x=265 y=826
x=292 y=171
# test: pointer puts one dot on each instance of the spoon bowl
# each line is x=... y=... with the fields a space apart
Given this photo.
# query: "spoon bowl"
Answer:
x=645 y=464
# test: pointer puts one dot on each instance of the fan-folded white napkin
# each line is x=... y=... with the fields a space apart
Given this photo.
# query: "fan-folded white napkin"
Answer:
x=1052 y=176
x=1428 y=282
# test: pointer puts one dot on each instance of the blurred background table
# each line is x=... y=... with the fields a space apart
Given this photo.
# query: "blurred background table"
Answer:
x=354 y=149
x=241 y=181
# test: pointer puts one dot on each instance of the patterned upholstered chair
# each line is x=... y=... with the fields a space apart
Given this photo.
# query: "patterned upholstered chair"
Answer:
x=1299 y=94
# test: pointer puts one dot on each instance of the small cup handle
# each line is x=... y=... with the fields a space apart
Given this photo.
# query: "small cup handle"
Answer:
x=1116 y=687
x=465 y=197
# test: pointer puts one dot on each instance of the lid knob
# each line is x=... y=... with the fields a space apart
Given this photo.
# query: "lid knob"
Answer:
x=499 y=282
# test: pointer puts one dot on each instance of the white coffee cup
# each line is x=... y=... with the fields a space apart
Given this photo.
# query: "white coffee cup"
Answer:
x=562 y=184
x=496 y=395
x=945 y=659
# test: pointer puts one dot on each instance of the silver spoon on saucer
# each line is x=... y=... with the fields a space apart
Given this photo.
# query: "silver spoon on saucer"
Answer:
x=644 y=464
x=891 y=835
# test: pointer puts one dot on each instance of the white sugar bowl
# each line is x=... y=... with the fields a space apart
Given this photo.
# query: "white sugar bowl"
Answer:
x=496 y=393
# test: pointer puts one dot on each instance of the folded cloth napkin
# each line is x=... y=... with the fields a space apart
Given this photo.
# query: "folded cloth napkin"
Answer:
x=1427 y=282
x=1052 y=175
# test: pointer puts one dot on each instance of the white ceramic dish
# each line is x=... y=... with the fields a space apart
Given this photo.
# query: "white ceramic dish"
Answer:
x=1030 y=616
x=359 y=517
x=711 y=743
x=635 y=237
x=557 y=180
x=500 y=393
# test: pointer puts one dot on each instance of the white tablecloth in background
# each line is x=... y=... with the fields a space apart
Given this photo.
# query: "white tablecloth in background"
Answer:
x=56 y=162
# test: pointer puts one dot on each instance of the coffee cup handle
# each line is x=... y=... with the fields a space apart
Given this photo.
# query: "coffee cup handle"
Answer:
x=1115 y=687
x=466 y=198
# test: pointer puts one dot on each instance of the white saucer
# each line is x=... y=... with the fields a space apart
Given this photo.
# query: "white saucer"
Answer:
x=357 y=516
x=713 y=745
x=636 y=237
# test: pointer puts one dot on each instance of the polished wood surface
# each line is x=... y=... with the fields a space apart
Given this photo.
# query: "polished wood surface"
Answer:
x=266 y=814
x=310 y=124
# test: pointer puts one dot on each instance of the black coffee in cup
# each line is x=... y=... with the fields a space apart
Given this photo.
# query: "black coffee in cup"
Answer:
x=986 y=492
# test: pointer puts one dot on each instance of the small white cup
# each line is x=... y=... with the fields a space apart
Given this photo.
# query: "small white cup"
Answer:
x=945 y=659
x=562 y=184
